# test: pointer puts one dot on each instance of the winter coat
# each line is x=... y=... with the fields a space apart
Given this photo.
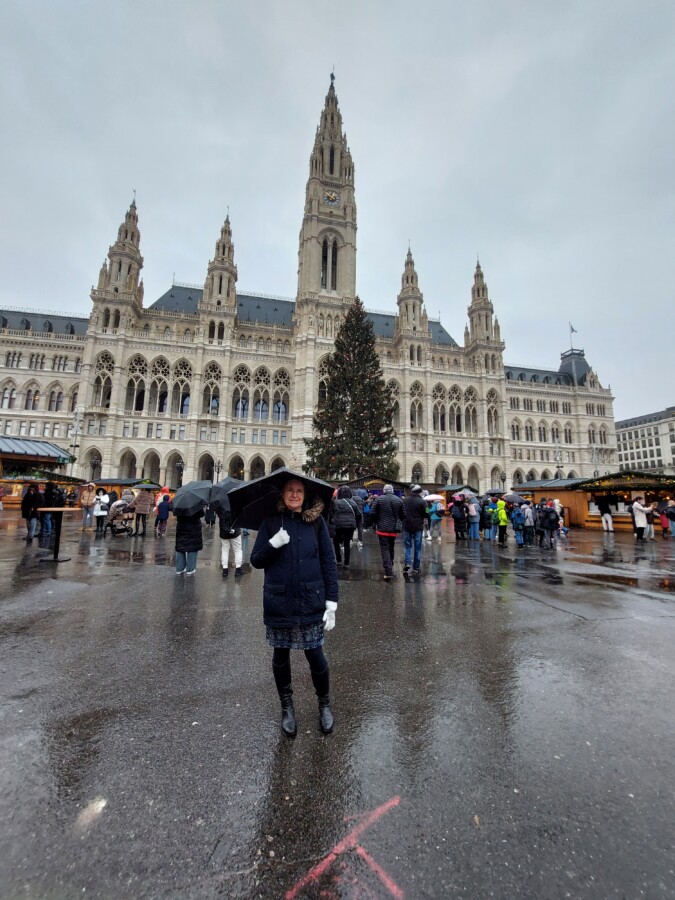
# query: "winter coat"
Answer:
x=475 y=516
x=31 y=503
x=300 y=576
x=143 y=504
x=163 y=509
x=529 y=517
x=227 y=532
x=437 y=511
x=51 y=495
x=501 y=512
x=387 y=514
x=102 y=505
x=640 y=513
x=87 y=497
x=518 y=519
x=549 y=519
x=189 y=532
x=344 y=513
x=415 y=513
x=487 y=515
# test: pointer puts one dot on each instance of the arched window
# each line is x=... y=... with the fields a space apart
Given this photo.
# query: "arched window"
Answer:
x=416 y=415
x=568 y=434
x=542 y=433
x=591 y=434
x=331 y=160
x=603 y=436
x=211 y=395
x=515 y=431
x=324 y=264
x=73 y=401
x=240 y=395
x=212 y=330
x=529 y=432
x=29 y=399
x=471 y=419
x=106 y=318
x=116 y=319
x=242 y=341
x=333 y=267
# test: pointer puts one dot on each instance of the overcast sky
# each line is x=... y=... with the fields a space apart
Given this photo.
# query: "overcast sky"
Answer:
x=539 y=135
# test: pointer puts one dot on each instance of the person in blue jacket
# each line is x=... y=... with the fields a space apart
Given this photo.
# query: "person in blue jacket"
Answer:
x=300 y=594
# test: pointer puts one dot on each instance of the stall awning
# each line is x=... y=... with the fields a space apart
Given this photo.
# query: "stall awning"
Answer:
x=628 y=480
x=10 y=446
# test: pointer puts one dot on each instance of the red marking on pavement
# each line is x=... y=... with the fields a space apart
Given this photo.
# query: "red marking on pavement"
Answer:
x=350 y=842
x=388 y=882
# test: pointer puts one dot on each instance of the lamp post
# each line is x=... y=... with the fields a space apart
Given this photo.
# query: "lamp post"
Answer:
x=180 y=465
x=558 y=460
x=74 y=433
x=502 y=478
x=218 y=470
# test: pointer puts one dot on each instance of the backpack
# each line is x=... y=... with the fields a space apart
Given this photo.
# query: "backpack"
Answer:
x=494 y=516
x=472 y=509
x=517 y=519
x=457 y=511
x=439 y=509
x=551 y=517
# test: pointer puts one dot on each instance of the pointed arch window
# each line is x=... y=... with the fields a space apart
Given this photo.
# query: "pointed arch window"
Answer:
x=333 y=267
x=221 y=331
x=331 y=160
x=324 y=264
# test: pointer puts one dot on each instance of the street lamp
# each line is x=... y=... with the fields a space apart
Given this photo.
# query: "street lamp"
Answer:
x=180 y=465
x=74 y=432
x=502 y=478
x=218 y=469
x=95 y=463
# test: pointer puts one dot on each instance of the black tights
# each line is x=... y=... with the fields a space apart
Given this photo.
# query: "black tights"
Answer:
x=316 y=658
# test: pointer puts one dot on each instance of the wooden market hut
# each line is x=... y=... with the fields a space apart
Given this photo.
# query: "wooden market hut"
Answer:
x=577 y=495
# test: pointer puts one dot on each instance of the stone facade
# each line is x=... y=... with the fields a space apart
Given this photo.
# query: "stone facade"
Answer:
x=207 y=380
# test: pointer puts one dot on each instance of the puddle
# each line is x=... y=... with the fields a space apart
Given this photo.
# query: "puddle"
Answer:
x=607 y=578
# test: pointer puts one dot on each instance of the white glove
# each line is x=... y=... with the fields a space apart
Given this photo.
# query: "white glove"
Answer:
x=329 y=615
x=280 y=538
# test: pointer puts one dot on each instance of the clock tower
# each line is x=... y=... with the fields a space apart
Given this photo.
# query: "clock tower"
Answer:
x=327 y=252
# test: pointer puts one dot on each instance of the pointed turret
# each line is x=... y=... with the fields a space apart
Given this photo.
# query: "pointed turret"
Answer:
x=118 y=278
x=481 y=326
x=221 y=274
x=412 y=316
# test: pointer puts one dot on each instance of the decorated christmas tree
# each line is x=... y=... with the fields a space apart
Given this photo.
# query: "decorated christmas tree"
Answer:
x=352 y=423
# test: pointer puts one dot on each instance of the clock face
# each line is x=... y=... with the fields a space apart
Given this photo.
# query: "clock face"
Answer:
x=332 y=198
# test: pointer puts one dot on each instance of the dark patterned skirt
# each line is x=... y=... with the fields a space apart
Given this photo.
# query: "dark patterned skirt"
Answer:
x=300 y=637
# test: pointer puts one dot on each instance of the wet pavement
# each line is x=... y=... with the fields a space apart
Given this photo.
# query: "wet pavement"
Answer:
x=504 y=726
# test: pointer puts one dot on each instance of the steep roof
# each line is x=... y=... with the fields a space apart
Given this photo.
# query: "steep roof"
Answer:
x=279 y=311
x=39 y=320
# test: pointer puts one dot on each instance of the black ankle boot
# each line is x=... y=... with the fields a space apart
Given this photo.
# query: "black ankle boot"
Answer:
x=322 y=687
x=282 y=679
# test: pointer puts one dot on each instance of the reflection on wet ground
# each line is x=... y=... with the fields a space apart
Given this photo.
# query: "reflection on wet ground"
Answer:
x=491 y=724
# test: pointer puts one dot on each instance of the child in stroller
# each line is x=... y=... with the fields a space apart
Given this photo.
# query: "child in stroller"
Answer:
x=120 y=518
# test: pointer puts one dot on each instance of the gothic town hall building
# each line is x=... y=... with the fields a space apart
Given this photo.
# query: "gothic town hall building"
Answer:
x=207 y=381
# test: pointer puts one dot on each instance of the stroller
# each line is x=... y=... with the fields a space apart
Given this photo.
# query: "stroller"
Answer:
x=119 y=519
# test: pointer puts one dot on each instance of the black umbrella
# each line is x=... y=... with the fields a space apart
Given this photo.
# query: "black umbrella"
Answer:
x=144 y=486
x=513 y=498
x=192 y=497
x=256 y=500
x=218 y=499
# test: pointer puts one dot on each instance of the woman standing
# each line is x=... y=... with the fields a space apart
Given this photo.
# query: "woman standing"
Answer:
x=101 y=506
x=345 y=516
x=299 y=596
x=640 y=516
x=188 y=541
x=142 y=505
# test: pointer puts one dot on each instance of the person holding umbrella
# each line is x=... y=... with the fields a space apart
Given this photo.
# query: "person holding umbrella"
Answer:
x=188 y=507
x=300 y=592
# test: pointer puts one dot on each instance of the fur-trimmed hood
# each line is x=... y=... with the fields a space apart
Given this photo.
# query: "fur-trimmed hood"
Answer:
x=311 y=514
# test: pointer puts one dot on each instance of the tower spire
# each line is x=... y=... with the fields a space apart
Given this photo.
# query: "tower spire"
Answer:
x=327 y=252
x=120 y=274
x=221 y=273
x=412 y=316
